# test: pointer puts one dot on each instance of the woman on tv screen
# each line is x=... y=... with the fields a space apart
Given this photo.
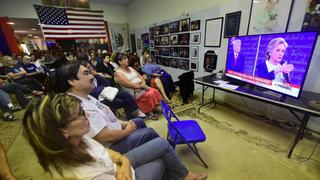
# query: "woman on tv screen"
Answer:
x=274 y=68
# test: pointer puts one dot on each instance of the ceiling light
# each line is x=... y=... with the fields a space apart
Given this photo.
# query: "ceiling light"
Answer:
x=20 y=31
x=36 y=36
x=29 y=35
x=11 y=23
x=33 y=29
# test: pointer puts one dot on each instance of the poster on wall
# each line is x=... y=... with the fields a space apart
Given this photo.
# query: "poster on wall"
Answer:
x=145 y=41
x=232 y=24
x=269 y=16
x=119 y=37
x=311 y=21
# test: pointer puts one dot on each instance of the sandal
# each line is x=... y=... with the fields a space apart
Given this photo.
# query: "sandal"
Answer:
x=15 y=108
x=154 y=117
x=9 y=117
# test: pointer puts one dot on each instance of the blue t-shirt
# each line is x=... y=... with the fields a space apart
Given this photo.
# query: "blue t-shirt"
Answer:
x=14 y=70
x=30 y=68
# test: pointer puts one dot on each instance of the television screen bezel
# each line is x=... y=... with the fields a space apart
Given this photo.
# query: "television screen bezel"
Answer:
x=305 y=74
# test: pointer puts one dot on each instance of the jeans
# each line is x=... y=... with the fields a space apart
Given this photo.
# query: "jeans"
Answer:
x=5 y=99
x=151 y=152
x=138 y=137
x=123 y=100
x=19 y=90
x=31 y=83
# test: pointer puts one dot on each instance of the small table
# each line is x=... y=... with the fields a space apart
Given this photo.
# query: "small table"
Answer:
x=292 y=104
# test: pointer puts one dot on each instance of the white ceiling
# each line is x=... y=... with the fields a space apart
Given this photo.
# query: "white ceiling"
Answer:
x=115 y=2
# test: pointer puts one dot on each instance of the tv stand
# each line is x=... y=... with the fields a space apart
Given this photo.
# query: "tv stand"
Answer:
x=292 y=104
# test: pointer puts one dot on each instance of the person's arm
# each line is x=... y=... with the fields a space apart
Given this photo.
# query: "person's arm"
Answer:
x=34 y=73
x=109 y=135
x=21 y=72
x=124 y=172
x=5 y=171
x=143 y=83
x=124 y=81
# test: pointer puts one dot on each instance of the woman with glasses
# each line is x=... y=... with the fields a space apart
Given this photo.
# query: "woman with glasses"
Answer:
x=56 y=127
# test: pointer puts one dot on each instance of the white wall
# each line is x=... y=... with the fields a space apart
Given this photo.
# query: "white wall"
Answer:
x=157 y=12
x=144 y=12
x=25 y=9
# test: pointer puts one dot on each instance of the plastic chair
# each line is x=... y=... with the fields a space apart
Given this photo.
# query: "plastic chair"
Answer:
x=183 y=131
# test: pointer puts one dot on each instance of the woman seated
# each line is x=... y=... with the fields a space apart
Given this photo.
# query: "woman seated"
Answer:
x=152 y=74
x=130 y=80
x=121 y=100
x=105 y=67
x=56 y=128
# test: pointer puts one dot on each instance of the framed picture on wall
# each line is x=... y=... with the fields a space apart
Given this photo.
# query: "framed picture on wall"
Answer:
x=194 y=52
x=174 y=63
x=184 y=25
x=311 y=21
x=269 y=16
x=195 y=38
x=194 y=65
x=138 y=43
x=232 y=24
x=174 y=27
x=195 y=25
x=213 y=32
x=183 y=64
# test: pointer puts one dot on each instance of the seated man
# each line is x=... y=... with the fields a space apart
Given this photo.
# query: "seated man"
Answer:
x=32 y=70
x=18 y=74
x=104 y=125
x=7 y=107
x=121 y=100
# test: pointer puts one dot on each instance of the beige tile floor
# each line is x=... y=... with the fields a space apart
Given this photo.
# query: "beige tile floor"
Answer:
x=237 y=147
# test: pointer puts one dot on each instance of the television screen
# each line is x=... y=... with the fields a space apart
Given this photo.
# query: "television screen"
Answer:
x=278 y=62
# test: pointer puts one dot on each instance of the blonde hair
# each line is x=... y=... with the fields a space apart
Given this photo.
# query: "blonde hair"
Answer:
x=6 y=59
x=274 y=43
x=43 y=121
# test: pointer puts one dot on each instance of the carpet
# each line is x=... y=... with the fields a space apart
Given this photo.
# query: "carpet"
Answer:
x=238 y=146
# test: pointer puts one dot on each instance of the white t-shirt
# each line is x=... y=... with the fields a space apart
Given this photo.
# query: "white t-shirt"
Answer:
x=100 y=116
x=279 y=76
x=132 y=77
x=102 y=166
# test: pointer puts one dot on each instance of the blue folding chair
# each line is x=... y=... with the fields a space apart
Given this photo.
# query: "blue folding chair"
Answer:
x=183 y=131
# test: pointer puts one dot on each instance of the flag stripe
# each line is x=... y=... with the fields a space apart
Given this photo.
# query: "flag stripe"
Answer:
x=88 y=15
x=68 y=23
x=72 y=36
x=78 y=28
x=74 y=31
x=82 y=10
x=65 y=33
x=85 y=18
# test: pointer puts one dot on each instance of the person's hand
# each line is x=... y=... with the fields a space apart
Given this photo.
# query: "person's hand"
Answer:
x=286 y=68
x=124 y=172
x=130 y=127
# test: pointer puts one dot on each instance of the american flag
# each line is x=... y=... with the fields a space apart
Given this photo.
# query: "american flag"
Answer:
x=70 y=23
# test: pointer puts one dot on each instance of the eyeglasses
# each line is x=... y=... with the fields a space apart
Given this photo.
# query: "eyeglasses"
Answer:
x=82 y=114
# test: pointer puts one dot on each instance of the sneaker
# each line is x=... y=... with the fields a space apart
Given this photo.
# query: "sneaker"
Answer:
x=15 y=108
x=7 y=116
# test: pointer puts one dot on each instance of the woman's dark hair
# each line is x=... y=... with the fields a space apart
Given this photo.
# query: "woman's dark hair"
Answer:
x=132 y=59
x=42 y=122
x=104 y=55
x=118 y=57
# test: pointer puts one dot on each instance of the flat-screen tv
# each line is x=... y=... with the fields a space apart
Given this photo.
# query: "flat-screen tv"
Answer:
x=278 y=62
